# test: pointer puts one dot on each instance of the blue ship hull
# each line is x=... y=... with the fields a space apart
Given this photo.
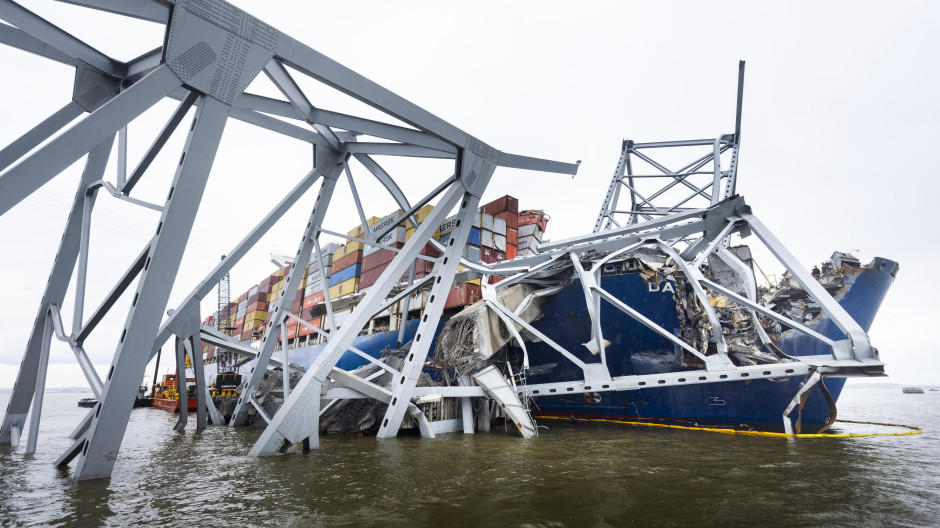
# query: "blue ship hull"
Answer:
x=636 y=350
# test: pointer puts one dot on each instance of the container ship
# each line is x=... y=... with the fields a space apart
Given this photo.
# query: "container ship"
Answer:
x=644 y=276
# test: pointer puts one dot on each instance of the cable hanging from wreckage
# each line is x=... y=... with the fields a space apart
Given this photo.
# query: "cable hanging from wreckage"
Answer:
x=197 y=66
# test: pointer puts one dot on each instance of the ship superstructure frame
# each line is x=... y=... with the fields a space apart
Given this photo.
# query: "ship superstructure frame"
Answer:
x=211 y=53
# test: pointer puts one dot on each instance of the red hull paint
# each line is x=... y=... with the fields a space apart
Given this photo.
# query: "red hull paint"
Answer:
x=173 y=405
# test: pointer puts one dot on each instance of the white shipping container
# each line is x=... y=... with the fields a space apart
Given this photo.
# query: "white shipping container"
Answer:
x=486 y=221
x=448 y=225
x=499 y=243
x=242 y=305
x=486 y=238
x=477 y=219
x=253 y=290
x=529 y=242
x=531 y=230
x=499 y=226
x=313 y=287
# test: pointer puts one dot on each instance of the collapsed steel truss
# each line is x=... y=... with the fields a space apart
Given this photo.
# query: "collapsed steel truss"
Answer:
x=212 y=52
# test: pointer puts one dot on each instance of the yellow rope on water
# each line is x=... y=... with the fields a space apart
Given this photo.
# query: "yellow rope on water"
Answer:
x=913 y=429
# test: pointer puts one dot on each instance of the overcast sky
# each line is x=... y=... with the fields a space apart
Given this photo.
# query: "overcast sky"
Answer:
x=840 y=130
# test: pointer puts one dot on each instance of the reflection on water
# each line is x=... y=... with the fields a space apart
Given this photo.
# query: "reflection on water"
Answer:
x=571 y=475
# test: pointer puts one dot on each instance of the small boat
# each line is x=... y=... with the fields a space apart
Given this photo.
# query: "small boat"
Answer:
x=166 y=394
x=912 y=390
x=88 y=402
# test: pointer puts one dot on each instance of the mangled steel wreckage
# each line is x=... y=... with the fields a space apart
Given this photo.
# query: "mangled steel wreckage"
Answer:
x=652 y=316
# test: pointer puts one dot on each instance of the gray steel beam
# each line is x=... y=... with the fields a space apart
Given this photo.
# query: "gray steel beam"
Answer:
x=276 y=125
x=20 y=39
x=267 y=105
x=136 y=266
x=516 y=161
x=396 y=149
x=40 y=383
x=320 y=67
x=148 y=10
x=236 y=254
x=20 y=181
x=39 y=133
x=475 y=172
x=159 y=142
x=330 y=165
x=181 y=390
x=286 y=84
x=861 y=346
x=140 y=66
x=56 y=288
x=51 y=34
x=379 y=129
x=140 y=330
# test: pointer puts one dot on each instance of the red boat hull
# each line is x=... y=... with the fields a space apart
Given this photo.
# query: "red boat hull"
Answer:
x=173 y=405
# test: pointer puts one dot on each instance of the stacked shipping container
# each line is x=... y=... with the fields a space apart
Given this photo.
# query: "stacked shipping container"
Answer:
x=499 y=232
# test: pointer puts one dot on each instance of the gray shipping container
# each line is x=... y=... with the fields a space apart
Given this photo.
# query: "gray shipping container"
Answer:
x=499 y=226
x=486 y=238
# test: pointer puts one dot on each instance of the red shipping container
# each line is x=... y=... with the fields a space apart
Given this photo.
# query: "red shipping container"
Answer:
x=349 y=260
x=370 y=277
x=494 y=279
x=295 y=306
x=429 y=251
x=533 y=217
x=291 y=332
x=491 y=256
x=240 y=321
x=377 y=258
x=511 y=252
x=512 y=219
x=299 y=296
x=500 y=205
x=312 y=300
x=304 y=330
x=512 y=236
x=462 y=294
x=246 y=335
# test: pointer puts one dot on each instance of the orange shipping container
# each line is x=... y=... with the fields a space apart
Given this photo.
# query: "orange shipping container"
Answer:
x=304 y=330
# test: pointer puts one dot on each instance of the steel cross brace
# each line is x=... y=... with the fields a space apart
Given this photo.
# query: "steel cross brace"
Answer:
x=56 y=287
x=140 y=331
x=330 y=165
x=298 y=418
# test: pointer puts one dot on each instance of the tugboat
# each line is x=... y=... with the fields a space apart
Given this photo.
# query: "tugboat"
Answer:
x=166 y=394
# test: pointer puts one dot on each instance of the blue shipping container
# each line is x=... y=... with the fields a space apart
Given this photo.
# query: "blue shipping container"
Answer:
x=474 y=238
x=345 y=274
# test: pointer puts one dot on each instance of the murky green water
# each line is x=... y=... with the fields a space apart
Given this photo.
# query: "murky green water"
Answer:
x=571 y=475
